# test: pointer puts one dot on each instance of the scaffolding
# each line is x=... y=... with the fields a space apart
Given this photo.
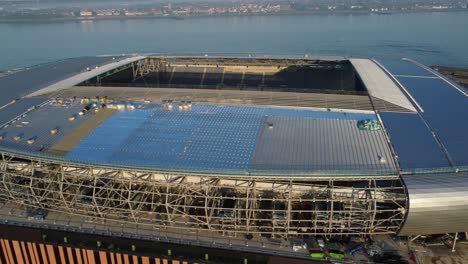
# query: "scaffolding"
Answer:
x=240 y=206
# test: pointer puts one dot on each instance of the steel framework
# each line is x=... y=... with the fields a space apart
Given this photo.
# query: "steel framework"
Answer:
x=161 y=64
x=238 y=206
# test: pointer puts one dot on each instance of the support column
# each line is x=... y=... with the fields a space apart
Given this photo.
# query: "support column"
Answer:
x=455 y=242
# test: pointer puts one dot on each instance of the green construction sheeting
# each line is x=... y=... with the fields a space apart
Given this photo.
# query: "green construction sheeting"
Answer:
x=369 y=125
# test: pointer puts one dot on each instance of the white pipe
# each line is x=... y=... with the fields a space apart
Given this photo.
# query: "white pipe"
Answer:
x=455 y=242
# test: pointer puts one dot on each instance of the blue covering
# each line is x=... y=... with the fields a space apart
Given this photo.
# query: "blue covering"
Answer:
x=413 y=142
x=208 y=137
x=100 y=142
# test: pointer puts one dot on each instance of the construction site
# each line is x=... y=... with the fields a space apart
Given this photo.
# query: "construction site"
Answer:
x=259 y=155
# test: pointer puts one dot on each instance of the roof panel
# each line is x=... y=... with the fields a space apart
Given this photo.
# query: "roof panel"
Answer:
x=320 y=144
x=404 y=67
x=379 y=84
x=101 y=143
x=22 y=83
x=38 y=124
x=208 y=137
x=413 y=141
x=446 y=112
x=318 y=114
x=14 y=110
x=75 y=79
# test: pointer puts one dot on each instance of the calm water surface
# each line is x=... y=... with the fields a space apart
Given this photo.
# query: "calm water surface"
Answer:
x=432 y=38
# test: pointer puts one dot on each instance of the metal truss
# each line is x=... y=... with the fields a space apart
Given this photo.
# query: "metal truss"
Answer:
x=236 y=206
x=161 y=64
x=148 y=66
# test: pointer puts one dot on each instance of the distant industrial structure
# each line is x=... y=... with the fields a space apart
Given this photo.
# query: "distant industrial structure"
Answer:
x=248 y=153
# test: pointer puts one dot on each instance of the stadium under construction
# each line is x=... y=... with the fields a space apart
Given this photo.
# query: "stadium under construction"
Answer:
x=248 y=152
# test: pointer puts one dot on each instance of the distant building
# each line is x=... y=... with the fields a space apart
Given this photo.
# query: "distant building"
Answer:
x=440 y=7
x=382 y=9
x=182 y=12
x=86 y=13
x=136 y=13
x=107 y=12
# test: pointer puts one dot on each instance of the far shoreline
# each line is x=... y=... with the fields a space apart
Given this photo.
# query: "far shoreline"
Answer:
x=311 y=13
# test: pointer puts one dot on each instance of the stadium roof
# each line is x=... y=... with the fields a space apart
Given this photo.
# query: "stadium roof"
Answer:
x=232 y=138
x=30 y=80
x=425 y=130
x=379 y=85
x=442 y=122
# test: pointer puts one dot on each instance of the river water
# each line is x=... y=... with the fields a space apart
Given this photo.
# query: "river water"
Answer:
x=432 y=38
